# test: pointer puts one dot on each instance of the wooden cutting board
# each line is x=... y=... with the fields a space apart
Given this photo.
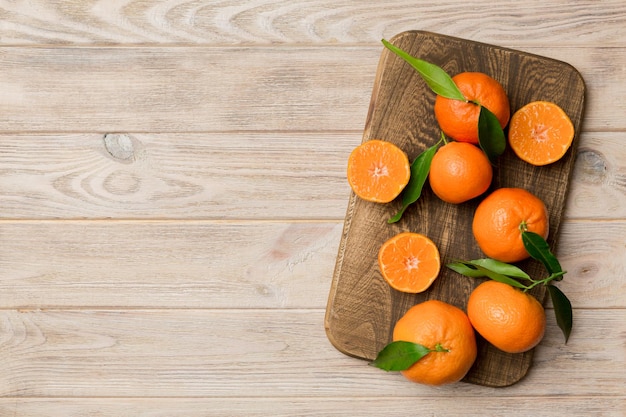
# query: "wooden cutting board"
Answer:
x=362 y=309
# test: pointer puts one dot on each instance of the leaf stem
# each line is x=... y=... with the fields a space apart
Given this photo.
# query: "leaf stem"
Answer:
x=523 y=226
x=439 y=348
x=545 y=281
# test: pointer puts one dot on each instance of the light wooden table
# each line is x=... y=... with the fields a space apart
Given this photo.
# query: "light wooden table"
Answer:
x=172 y=194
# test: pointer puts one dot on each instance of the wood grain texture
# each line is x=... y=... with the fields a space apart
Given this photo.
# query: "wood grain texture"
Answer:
x=325 y=21
x=174 y=176
x=260 y=353
x=360 y=317
x=171 y=264
x=255 y=175
x=183 y=89
x=200 y=89
x=162 y=273
x=598 y=183
x=541 y=406
x=275 y=265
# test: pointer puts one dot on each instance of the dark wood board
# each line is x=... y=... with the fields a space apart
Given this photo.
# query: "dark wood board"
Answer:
x=362 y=308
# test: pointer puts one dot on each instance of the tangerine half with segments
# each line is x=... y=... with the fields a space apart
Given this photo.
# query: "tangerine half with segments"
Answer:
x=540 y=133
x=409 y=262
x=378 y=171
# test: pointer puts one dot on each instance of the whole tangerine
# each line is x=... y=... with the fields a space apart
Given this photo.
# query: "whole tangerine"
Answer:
x=444 y=327
x=459 y=119
x=459 y=172
x=500 y=219
x=508 y=318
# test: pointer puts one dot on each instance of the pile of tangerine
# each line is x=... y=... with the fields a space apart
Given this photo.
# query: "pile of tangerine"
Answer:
x=539 y=133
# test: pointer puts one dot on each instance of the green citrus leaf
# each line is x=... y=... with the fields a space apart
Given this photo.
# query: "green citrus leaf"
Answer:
x=419 y=172
x=465 y=269
x=396 y=218
x=490 y=134
x=562 y=310
x=501 y=278
x=501 y=268
x=399 y=355
x=436 y=78
x=472 y=270
x=539 y=249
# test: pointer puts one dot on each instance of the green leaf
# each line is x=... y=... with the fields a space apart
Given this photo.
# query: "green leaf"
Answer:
x=436 y=78
x=399 y=355
x=465 y=269
x=477 y=271
x=419 y=172
x=490 y=134
x=562 y=310
x=500 y=278
x=501 y=268
x=539 y=249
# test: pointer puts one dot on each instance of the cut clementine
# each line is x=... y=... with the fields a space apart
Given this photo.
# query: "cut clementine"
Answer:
x=445 y=329
x=459 y=119
x=409 y=262
x=500 y=219
x=540 y=133
x=459 y=172
x=511 y=320
x=378 y=171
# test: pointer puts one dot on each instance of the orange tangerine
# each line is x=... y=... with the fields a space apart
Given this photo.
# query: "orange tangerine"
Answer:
x=378 y=171
x=438 y=325
x=540 y=133
x=409 y=262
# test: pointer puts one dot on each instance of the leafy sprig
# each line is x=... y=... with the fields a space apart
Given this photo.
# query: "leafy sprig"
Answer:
x=437 y=79
x=509 y=274
x=490 y=134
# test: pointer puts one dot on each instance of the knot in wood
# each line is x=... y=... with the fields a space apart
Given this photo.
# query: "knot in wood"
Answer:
x=120 y=147
x=591 y=166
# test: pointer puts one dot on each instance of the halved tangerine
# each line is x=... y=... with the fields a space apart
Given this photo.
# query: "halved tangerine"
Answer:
x=540 y=133
x=378 y=171
x=409 y=262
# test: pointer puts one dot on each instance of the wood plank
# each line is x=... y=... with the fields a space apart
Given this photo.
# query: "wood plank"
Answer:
x=539 y=406
x=245 y=175
x=190 y=176
x=182 y=89
x=261 y=353
x=324 y=21
x=167 y=264
x=200 y=89
x=125 y=264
